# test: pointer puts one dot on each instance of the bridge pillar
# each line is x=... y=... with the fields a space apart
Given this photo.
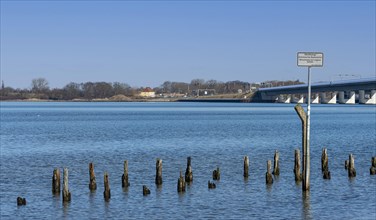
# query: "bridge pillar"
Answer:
x=342 y=100
x=371 y=100
x=284 y=98
x=316 y=99
x=331 y=100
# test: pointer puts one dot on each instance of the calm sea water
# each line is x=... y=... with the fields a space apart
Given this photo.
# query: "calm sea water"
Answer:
x=37 y=137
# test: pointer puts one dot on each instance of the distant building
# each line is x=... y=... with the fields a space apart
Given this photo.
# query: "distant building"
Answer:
x=147 y=93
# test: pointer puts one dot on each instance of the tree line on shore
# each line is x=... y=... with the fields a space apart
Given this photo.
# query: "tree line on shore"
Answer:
x=104 y=90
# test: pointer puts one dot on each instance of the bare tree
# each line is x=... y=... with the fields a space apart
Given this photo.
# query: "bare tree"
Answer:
x=39 y=85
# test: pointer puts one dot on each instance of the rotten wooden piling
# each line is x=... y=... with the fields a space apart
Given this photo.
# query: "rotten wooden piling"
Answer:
x=188 y=172
x=93 y=182
x=181 y=183
x=124 y=178
x=372 y=170
x=66 y=193
x=56 y=181
x=298 y=175
x=325 y=164
x=351 y=169
x=246 y=167
x=107 y=191
x=276 y=164
x=268 y=175
x=216 y=174
x=145 y=190
x=211 y=185
x=158 y=173
x=21 y=201
x=324 y=160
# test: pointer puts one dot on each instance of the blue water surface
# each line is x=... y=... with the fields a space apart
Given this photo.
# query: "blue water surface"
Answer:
x=38 y=137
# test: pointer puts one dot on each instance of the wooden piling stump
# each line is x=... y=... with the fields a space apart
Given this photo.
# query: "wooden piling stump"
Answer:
x=181 y=183
x=351 y=169
x=372 y=170
x=188 y=172
x=93 y=182
x=66 y=193
x=124 y=178
x=246 y=167
x=158 y=174
x=56 y=181
x=324 y=160
x=216 y=174
x=107 y=191
x=325 y=164
x=276 y=163
x=21 y=201
x=211 y=185
x=268 y=175
x=298 y=175
x=346 y=164
x=145 y=190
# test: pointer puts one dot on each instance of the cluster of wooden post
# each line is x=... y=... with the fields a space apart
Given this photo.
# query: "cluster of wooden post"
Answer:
x=372 y=170
x=325 y=164
x=351 y=167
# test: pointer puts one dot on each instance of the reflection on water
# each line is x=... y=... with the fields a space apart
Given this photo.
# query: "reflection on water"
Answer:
x=306 y=205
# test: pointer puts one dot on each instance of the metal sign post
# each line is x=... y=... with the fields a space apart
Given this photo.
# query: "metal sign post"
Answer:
x=308 y=59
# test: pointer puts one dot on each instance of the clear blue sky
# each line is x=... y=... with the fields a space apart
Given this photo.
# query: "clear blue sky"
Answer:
x=146 y=43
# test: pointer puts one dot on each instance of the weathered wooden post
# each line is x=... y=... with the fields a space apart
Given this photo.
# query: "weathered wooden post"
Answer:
x=188 y=172
x=145 y=190
x=351 y=169
x=246 y=167
x=66 y=193
x=211 y=185
x=93 y=182
x=346 y=164
x=181 y=183
x=21 y=201
x=276 y=163
x=107 y=191
x=372 y=170
x=298 y=175
x=268 y=175
x=324 y=160
x=124 y=178
x=325 y=164
x=56 y=181
x=216 y=174
x=158 y=174
x=306 y=160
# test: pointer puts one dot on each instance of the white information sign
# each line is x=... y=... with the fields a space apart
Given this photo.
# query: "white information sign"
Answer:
x=309 y=59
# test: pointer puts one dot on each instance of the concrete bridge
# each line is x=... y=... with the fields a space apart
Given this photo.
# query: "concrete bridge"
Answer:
x=362 y=91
